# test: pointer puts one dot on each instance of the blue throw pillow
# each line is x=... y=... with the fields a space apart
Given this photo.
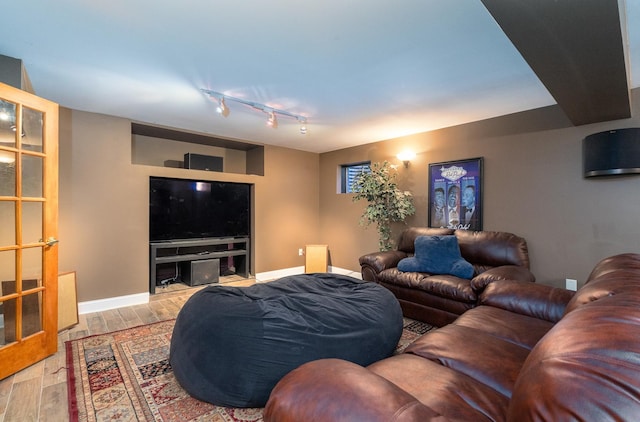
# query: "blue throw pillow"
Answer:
x=437 y=255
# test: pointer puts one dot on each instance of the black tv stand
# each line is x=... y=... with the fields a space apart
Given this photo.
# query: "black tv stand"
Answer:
x=159 y=253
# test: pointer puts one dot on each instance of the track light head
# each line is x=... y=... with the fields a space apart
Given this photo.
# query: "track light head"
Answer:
x=272 y=121
x=303 y=125
x=222 y=107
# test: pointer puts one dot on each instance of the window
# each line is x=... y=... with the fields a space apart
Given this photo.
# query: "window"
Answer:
x=348 y=173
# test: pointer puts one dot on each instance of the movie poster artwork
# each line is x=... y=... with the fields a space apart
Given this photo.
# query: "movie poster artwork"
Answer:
x=455 y=194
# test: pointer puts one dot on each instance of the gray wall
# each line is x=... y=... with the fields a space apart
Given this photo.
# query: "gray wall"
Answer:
x=533 y=186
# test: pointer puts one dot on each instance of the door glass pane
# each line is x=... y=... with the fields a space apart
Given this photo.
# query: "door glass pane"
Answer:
x=8 y=225
x=9 y=311
x=7 y=157
x=31 y=222
x=7 y=124
x=32 y=129
x=32 y=263
x=7 y=265
x=8 y=325
x=31 y=176
x=31 y=304
x=7 y=173
x=31 y=311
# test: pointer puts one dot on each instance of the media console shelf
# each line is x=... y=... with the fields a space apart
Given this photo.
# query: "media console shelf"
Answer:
x=174 y=251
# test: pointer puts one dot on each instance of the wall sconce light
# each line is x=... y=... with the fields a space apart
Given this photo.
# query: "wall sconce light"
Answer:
x=406 y=157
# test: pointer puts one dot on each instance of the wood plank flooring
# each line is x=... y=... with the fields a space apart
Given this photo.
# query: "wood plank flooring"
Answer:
x=39 y=392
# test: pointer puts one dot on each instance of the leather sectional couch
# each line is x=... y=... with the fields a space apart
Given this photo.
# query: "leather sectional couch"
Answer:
x=527 y=352
x=440 y=299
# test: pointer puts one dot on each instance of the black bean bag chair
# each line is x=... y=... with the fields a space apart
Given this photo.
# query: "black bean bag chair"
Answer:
x=231 y=345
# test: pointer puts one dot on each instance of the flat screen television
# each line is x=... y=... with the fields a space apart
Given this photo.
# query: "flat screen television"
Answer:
x=195 y=209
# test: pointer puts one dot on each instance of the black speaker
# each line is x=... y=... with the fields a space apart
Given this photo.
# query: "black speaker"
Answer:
x=613 y=152
x=202 y=162
x=196 y=273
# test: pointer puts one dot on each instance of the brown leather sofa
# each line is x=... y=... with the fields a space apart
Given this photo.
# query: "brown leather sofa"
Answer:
x=440 y=299
x=528 y=352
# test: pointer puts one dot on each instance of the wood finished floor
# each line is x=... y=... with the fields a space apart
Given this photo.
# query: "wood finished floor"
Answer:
x=39 y=392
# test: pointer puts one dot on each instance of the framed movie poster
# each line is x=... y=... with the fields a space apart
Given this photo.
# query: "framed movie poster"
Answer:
x=455 y=194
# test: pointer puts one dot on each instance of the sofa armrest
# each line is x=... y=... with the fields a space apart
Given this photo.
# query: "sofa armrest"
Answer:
x=337 y=390
x=505 y=272
x=535 y=300
x=374 y=263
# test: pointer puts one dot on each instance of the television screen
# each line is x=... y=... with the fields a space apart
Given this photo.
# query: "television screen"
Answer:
x=193 y=209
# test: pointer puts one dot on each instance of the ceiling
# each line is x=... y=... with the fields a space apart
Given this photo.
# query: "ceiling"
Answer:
x=360 y=70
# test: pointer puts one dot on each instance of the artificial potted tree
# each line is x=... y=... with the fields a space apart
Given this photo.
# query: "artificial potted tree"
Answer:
x=387 y=203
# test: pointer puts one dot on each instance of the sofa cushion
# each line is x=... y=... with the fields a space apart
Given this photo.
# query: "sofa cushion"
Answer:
x=521 y=330
x=437 y=255
x=489 y=360
x=488 y=249
x=445 y=390
x=440 y=285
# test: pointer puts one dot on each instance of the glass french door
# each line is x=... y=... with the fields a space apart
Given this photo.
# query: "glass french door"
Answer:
x=28 y=229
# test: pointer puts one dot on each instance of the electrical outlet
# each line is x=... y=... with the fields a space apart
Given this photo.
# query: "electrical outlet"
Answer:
x=300 y=252
x=571 y=284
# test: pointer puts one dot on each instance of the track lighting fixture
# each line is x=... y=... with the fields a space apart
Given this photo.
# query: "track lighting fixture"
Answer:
x=272 y=112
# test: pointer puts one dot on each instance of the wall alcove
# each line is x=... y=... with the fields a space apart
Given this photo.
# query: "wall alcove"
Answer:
x=164 y=147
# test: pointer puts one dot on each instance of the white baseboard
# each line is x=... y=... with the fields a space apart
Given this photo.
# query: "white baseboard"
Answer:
x=342 y=271
x=112 y=303
x=143 y=298
x=272 y=275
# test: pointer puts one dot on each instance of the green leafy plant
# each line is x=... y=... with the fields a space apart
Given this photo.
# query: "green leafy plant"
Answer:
x=387 y=203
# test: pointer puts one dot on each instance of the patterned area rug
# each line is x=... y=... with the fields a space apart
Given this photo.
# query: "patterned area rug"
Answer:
x=125 y=376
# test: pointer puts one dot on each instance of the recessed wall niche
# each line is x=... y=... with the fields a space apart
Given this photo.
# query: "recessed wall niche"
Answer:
x=163 y=147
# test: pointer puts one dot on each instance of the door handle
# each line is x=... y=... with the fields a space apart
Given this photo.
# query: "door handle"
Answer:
x=51 y=241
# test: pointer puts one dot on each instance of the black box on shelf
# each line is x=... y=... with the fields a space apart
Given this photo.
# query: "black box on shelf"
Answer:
x=205 y=271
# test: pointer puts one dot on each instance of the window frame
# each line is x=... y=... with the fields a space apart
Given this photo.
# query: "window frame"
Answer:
x=346 y=179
